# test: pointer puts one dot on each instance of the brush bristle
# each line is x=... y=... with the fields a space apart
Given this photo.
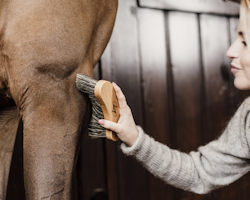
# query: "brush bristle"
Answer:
x=87 y=85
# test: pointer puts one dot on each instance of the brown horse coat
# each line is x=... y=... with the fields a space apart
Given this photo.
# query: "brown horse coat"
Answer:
x=44 y=44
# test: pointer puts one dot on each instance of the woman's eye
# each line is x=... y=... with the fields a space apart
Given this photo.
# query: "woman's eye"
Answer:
x=245 y=44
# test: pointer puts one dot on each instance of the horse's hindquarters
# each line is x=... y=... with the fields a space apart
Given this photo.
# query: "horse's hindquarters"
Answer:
x=9 y=119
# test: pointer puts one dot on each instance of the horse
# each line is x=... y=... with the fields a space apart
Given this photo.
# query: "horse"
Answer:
x=43 y=45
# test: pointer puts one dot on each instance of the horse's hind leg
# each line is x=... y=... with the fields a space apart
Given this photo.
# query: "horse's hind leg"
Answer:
x=9 y=119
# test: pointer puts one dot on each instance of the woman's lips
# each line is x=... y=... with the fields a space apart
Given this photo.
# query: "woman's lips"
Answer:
x=234 y=69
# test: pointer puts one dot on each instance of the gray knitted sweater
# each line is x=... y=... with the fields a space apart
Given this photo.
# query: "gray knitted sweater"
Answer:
x=214 y=165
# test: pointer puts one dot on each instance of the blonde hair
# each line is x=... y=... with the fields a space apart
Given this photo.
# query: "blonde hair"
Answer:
x=245 y=19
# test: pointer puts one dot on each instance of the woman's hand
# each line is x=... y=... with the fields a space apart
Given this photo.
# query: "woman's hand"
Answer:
x=125 y=128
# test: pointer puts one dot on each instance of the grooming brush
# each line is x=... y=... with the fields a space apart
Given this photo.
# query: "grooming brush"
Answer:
x=104 y=104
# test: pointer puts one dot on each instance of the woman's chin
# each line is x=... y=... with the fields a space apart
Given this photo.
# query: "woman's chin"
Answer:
x=242 y=85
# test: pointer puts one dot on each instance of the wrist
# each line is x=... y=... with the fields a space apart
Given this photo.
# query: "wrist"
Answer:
x=133 y=138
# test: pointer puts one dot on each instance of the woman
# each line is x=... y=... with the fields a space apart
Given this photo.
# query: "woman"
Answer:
x=217 y=164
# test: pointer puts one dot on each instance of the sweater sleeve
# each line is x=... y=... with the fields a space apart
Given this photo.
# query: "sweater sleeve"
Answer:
x=214 y=165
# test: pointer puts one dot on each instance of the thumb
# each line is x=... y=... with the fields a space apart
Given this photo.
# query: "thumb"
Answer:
x=110 y=125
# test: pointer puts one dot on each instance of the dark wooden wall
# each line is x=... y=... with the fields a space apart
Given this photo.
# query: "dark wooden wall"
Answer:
x=172 y=67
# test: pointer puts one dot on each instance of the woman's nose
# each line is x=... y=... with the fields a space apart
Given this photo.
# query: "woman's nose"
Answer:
x=233 y=51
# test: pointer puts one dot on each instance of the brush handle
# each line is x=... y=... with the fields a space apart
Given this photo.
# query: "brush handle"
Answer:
x=106 y=96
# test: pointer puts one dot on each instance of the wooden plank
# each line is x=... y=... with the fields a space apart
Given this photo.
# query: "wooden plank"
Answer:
x=185 y=62
x=214 y=38
x=127 y=75
x=197 y=6
x=15 y=189
x=121 y=59
x=106 y=62
x=185 y=59
x=245 y=183
x=215 y=42
x=107 y=68
x=90 y=168
x=154 y=74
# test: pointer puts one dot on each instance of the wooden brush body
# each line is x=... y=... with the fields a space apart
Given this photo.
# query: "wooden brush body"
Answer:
x=106 y=96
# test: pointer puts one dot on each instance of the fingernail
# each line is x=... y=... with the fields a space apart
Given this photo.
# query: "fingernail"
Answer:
x=101 y=122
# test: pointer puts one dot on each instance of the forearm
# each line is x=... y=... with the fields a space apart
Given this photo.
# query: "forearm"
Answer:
x=172 y=166
x=198 y=172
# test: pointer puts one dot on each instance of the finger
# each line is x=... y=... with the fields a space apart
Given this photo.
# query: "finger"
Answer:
x=120 y=96
x=110 y=125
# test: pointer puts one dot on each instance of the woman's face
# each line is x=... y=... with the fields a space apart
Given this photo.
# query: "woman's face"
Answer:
x=240 y=55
